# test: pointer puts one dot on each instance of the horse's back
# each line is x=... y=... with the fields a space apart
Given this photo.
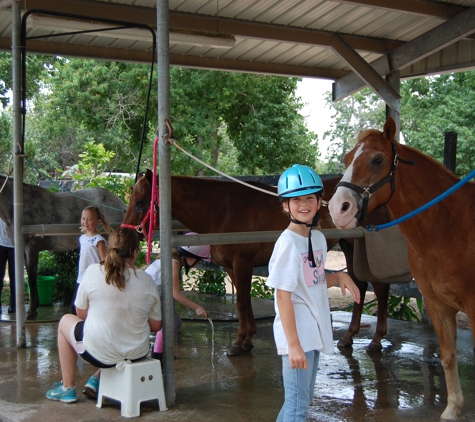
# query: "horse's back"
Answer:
x=45 y=207
x=110 y=204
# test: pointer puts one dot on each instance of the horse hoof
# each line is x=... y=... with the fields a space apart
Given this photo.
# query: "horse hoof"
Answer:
x=374 y=347
x=235 y=350
x=343 y=343
x=31 y=316
x=247 y=346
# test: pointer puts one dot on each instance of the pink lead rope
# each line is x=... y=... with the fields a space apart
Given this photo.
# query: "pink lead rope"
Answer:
x=152 y=201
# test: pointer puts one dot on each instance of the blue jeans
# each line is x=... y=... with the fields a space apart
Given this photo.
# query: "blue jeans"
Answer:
x=299 y=385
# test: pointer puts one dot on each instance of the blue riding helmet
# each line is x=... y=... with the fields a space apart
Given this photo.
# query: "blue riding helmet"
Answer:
x=299 y=180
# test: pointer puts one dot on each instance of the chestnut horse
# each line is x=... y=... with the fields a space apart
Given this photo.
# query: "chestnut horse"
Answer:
x=212 y=206
x=441 y=260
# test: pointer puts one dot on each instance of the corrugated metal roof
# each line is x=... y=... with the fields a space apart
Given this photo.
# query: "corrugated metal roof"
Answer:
x=290 y=37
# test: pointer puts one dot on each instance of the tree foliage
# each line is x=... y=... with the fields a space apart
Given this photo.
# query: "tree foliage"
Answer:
x=430 y=107
x=36 y=71
x=434 y=105
x=5 y=140
x=353 y=114
x=239 y=123
x=253 y=118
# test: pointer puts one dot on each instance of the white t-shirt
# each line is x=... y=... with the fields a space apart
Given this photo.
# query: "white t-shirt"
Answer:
x=155 y=271
x=290 y=270
x=88 y=253
x=116 y=327
x=5 y=239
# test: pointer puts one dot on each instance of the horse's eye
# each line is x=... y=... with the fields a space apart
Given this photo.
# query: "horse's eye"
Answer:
x=377 y=161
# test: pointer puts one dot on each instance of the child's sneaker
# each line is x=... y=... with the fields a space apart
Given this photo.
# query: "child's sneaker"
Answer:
x=91 y=387
x=66 y=395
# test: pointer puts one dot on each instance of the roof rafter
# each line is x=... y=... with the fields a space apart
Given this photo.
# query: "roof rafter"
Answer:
x=240 y=28
x=432 y=41
x=101 y=53
x=419 y=7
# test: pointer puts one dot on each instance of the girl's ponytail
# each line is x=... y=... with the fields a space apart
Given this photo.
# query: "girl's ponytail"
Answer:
x=120 y=254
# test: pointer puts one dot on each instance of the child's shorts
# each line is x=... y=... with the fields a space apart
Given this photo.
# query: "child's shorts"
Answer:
x=77 y=335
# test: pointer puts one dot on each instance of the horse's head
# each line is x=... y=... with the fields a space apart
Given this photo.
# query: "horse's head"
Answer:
x=137 y=215
x=368 y=181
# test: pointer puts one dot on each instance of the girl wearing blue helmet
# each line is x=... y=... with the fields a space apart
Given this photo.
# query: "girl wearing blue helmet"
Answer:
x=302 y=326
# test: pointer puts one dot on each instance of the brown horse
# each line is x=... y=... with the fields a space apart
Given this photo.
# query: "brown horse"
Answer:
x=211 y=206
x=440 y=260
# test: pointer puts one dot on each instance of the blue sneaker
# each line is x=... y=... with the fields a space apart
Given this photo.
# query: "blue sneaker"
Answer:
x=66 y=395
x=91 y=387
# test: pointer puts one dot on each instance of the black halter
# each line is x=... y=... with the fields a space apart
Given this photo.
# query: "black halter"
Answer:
x=367 y=191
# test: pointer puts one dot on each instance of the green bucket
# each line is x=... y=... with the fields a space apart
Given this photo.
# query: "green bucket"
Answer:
x=46 y=289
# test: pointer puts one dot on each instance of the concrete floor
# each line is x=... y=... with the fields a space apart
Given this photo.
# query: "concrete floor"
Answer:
x=404 y=382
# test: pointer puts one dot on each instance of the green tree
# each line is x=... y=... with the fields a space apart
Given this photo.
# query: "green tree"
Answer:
x=87 y=99
x=252 y=119
x=5 y=140
x=362 y=110
x=36 y=71
x=430 y=106
x=239 y=123
x=434 y=105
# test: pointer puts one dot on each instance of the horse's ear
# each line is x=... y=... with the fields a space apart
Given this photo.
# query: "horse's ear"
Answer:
x=149 y=176
x=389 y=131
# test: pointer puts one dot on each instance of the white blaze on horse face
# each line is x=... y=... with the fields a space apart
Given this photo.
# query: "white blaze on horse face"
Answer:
x=343 y=206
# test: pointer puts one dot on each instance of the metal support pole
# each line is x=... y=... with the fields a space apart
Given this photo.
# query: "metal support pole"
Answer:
x=163 y=68
x=17 y=150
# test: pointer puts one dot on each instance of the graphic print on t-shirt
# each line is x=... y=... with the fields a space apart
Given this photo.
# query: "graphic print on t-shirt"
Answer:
x=313 y=276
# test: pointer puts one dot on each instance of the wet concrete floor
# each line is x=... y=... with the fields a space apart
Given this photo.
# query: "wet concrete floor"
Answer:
x=404 y=382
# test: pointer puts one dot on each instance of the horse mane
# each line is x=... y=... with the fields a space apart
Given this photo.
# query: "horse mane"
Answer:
x=438 y=166
x=364 y=133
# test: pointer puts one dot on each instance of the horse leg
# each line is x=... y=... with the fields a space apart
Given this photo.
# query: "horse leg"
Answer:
x=443 y=318
x=381 y=291
x=347 y=339
x=242 y=277
x=31 y=264
x=354 y=328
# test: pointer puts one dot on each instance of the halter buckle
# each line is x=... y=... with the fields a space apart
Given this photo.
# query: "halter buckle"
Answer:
x=366 y=194
x=395 y=162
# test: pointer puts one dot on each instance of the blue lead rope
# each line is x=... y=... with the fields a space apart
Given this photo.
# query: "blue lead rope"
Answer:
x=424 y=207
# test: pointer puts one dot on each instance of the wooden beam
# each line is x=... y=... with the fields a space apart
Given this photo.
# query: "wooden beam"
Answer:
x=278 y=33
x=418 y=7
x=432 y=41
x=145 y=57
x=367 y=73
x=211 y=63
x=187 y=21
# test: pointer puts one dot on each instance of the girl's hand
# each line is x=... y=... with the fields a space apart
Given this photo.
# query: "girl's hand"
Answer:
x=346 y=283
x=297 y=358
x=200 y=311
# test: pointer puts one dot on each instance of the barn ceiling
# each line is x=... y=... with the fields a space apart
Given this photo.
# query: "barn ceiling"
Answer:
x=328 y=39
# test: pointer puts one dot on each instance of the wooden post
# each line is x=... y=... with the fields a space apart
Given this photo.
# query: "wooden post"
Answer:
x=450 y=151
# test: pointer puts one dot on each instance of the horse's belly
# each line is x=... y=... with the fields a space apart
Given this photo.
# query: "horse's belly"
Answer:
x=444 y=288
